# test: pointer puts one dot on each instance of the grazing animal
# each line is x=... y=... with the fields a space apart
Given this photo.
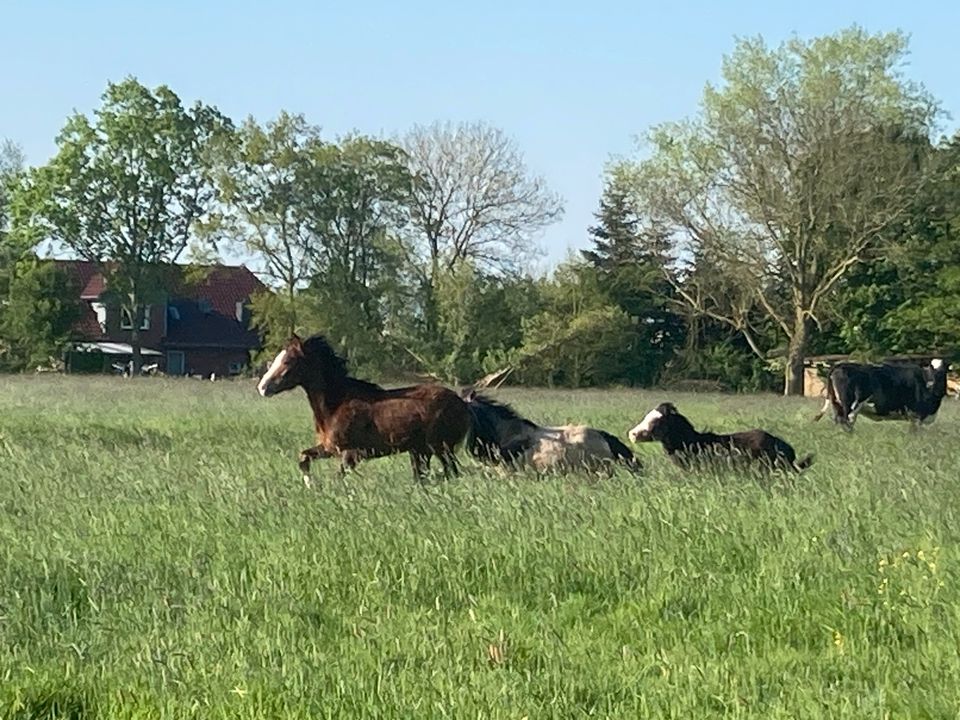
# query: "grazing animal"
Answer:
x=685 y=445
x=885 y=392
x=355 y=419
x=500 y=435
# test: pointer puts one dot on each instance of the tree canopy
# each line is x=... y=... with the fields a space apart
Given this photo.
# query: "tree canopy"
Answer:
x=804 y=208
x=803 y=160
x=128 y=187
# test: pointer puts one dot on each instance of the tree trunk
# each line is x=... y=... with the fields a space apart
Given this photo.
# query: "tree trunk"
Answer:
x=796 y=355
x=136 y=357
x=291 y=307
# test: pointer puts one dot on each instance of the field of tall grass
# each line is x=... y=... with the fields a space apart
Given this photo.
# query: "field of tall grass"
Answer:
x=160 y=558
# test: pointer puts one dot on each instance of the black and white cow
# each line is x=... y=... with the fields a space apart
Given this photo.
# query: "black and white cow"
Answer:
x=885 y=392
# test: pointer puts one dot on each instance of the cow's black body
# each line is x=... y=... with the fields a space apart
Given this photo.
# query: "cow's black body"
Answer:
x=888 y=391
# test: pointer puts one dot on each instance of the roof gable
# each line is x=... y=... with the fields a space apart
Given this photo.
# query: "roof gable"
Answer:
x=223 y=285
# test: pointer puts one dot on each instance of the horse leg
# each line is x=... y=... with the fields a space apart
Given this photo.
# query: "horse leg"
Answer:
x=306 y=457
x=419 y=463
x=348 y=461
x=449 y=461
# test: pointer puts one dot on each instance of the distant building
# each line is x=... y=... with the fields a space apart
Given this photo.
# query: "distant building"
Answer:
x=198 y=327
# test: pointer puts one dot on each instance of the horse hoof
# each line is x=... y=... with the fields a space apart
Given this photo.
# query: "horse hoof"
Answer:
x=307 y=482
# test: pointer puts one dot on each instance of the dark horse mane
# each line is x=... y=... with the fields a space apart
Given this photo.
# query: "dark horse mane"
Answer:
x=324 y=360
x=487 y=413
x=502 y=410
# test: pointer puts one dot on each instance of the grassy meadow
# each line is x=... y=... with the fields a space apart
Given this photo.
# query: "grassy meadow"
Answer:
x=160 y=558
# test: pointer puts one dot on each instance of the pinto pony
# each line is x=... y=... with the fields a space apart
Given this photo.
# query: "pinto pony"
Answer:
x=685 y=445
x=500 y=435
x=355 y=419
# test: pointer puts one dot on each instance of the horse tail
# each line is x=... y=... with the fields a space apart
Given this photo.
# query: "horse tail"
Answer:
x=620 y=451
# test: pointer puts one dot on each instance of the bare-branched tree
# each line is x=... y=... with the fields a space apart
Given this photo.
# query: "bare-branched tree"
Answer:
x=475 y=200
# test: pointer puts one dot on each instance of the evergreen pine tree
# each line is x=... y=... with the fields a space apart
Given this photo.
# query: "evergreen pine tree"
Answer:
x=631 y=259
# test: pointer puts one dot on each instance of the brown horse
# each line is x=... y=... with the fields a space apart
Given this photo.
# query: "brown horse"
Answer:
x=356 y=419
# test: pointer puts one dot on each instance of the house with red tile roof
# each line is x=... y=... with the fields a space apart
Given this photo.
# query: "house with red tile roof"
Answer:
x=199 y=326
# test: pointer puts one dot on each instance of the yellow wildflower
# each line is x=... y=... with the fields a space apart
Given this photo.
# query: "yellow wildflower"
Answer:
x=838 y=640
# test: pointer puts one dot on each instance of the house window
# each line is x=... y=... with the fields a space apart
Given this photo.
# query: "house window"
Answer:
x=126 y=322
x=101 y=310
x=236 y=368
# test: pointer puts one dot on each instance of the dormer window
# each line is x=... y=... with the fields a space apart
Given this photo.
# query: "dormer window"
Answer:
x=126 y=322
x=206 y=307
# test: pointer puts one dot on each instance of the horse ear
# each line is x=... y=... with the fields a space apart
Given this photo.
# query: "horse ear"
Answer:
x=668 y=408
x=295 y=343
x=468 y=394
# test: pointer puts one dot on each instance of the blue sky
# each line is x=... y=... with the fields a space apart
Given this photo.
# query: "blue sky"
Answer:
x=572 y=83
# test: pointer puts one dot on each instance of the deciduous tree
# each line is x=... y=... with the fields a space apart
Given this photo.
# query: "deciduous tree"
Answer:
x=264 y=178
x=38 y=317
x=474 y=200
x=11 y=249
x=805 y=158
x=127 y=188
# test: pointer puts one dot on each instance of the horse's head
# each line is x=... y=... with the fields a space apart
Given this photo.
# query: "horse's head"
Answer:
x=286 y=371
x=654 y=423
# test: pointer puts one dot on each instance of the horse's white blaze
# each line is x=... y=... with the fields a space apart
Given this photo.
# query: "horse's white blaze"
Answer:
x=936 y=363
x=645 y=425
x=271 y=372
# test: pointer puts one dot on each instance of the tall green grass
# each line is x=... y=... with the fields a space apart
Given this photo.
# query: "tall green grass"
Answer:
x=160 y=558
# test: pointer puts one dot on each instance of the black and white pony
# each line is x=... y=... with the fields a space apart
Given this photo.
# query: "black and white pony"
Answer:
x=686 y=447
x=501 y=436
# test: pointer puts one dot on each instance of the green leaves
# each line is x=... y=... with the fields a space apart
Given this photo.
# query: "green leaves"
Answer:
x=129 y=184
x=36 y=321
x=806 y=158
x=127 y=187
x=321 y=219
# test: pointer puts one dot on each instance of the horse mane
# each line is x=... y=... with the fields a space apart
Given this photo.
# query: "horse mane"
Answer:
x=684 y=422
x=318 y=351
x=504 y=410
